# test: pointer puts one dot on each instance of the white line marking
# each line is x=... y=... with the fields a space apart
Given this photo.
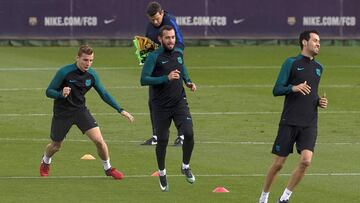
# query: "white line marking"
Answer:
x=198 y=142
x=149 y=176
x=199 y=87
x=193 y=113
x=190 y=68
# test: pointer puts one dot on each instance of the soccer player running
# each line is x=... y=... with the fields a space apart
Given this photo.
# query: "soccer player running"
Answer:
x=164 y=71
x=158 y=18
x=68 y=89
x=298 y=80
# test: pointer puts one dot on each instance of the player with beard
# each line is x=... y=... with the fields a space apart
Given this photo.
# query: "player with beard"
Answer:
x=163 y=71
x=298 y=81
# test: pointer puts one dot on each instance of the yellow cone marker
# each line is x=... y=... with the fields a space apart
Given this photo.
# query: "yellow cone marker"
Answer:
x=88 y=157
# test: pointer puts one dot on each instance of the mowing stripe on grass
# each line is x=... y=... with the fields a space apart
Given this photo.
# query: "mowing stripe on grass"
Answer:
x=149 y=176
x=199 y=87
x=99 y=67
x=7 y=139
x=193 y=113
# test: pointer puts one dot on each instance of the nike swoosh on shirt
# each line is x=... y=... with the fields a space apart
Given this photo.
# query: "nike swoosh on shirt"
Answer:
x=72 y=81
x=300 y=68
x=163 y=62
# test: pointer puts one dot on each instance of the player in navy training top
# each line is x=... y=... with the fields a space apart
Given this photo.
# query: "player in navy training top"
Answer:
x=298 y=81
x=68 y=89
x=164 y=71
x=158 y=18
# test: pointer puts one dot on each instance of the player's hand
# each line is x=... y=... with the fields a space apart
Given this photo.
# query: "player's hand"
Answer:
x=323 y=102
x=303 y=88
x=191 y=85
x=174 y=75
x=66 y=91
x=128 y=116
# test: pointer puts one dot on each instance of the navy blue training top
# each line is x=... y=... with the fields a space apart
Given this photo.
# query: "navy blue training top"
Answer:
x=299 y=109
x=80 y=83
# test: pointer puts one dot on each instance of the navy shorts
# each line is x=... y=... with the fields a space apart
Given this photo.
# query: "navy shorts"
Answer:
x=288 y=135
x=60 y=126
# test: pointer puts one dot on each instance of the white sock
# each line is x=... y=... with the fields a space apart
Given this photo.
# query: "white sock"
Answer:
x=155 y=137
x=162 y=172
x=182 y=137
x=46 y=159
x=106 y=164
x=185 y=166
x=286 y=195
x=264 y=197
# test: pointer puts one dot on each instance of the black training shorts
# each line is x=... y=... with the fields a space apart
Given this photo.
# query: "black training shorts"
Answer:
x=60 y=125
x=288 y=135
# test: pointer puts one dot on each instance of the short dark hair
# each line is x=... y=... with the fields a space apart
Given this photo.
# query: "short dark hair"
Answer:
x=165 y=27
x=306 y=36
x=152 y=8
x=85 y=49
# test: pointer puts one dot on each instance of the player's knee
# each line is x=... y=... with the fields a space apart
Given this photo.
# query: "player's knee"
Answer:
x=188 y=134
x=278 y=165
x=304 y=163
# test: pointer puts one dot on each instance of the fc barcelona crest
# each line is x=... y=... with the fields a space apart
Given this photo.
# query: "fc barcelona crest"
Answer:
x=180 y=60
x=88 y=82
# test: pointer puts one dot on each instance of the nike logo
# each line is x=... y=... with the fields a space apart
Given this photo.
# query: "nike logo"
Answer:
x=163 y=62
x=237 y=21
x=72 y=81
x=108 y=21
x=300 y=69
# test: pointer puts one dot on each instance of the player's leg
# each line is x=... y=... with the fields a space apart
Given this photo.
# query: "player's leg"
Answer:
x=282 y=147
x=59 y=128
x=183 y=120
x=162 y=121
x=152 y=140
x=87 y=124
x=179 y=138
x=305 y=144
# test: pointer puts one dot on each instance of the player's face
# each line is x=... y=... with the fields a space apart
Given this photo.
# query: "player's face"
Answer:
x=84 y=61
x=168 y=39
x=156 y=19
x=313 y=45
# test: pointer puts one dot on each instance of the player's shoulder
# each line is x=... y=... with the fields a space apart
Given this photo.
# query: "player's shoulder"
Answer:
x=319 y=64
x=67 y=69
x=290 y=60
x=178 y=49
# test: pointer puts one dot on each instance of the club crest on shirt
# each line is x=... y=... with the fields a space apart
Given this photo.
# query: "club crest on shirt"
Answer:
x=88 y=82
x=318 y=72
x=179 y=59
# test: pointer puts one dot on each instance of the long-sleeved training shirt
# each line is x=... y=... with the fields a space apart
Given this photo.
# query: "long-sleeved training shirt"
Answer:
x=299 y=109
x=164 y=93
x=80 y=83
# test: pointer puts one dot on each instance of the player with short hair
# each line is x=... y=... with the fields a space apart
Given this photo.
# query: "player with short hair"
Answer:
x=158 y=18
x=163 y=72
x=68 y=89
x=298 y=81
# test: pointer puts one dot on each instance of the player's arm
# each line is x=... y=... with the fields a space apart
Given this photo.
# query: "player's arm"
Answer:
x=148 y=68
x=282 y=87
x=107 y=98
x=186 y=78
x=53 y=89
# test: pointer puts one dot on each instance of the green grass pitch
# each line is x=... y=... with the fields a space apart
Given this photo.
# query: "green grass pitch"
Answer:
x=235 y=122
